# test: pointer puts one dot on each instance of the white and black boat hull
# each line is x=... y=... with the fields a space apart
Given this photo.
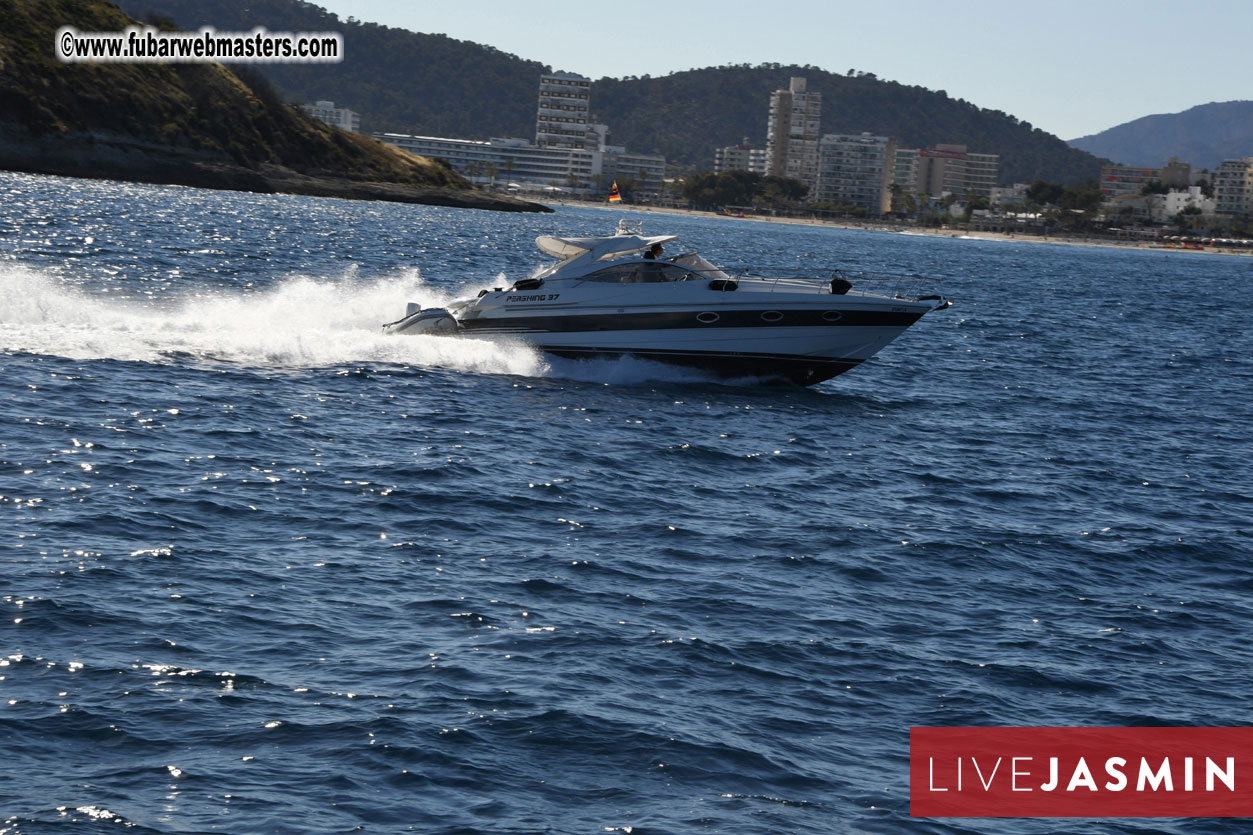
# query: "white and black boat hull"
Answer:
x=799 y=346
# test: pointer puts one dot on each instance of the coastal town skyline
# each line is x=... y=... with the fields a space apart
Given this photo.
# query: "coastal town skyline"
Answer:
x=1071 y=72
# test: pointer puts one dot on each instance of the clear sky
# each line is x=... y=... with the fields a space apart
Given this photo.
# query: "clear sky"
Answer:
x=1071 y=67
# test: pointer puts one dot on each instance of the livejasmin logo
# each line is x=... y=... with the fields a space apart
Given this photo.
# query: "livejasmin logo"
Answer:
x=1081 y=775
x=1081 y=772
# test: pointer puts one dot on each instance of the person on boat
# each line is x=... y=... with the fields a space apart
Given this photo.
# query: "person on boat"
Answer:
x=652 y=272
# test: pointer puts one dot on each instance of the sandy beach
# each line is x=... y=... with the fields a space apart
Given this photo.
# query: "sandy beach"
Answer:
x=897 y=229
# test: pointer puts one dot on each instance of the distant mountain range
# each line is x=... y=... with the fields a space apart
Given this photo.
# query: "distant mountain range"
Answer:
x=410 y=82
x=1203 y=136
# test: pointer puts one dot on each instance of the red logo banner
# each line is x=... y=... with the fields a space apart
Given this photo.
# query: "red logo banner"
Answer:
x=1080 y=772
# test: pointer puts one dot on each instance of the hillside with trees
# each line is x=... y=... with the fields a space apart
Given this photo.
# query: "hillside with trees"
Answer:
x=686 y=115
x=411 y=82
x=399 y=81
x=187 y=124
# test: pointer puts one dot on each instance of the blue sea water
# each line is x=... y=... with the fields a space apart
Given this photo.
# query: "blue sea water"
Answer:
x=268 y=570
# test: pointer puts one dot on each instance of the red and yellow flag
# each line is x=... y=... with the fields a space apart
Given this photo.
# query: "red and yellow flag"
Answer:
x=614 y=196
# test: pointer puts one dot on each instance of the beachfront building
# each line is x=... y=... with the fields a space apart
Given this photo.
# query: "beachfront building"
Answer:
x=1126 y=179
x=1157 y=208
x=905 y=168
x=1014 y=195
x=1131 y=207
x=505 y=160
x=856 y=170
x=1117 y=180
x=792 y=133
x=951 y=169
x=1168 y=205
x=563 y=118
x=518 y=164
x=1233 y=187
x=905 y=194
x=340 y=117
x=648 y=171
x=741 y=157
x=982 y=171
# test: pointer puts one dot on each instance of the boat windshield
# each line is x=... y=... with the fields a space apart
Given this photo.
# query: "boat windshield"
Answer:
x=638 y=272
x=695 y=262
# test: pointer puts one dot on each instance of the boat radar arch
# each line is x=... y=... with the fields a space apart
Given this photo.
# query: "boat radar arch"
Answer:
x=598 y=249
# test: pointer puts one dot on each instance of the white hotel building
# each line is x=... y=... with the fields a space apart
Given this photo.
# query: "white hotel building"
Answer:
x=504 y=160
x=564 y=113
x=518 y=163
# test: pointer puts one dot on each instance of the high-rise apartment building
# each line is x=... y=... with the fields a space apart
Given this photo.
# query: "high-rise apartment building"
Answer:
x=856 y=171
x=564 y=113
x=793 y=132
x=1233 y=187
x=905 y=180
x=982 y=171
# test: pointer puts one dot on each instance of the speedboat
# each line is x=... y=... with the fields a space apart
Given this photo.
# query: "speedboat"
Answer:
x=605 y=298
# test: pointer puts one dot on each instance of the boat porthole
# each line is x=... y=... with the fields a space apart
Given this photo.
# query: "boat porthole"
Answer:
x=708 y=317
x=832 y=316
x=772 y=316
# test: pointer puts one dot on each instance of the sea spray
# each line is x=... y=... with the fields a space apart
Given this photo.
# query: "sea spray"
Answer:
x=297 y=322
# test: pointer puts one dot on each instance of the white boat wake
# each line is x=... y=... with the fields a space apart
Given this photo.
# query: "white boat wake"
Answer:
x=299 y=322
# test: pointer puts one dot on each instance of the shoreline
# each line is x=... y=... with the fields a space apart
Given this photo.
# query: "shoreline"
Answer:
x=896 y=229
x=121 y=158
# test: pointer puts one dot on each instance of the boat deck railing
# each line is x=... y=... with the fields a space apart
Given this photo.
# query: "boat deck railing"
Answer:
x=905 y=286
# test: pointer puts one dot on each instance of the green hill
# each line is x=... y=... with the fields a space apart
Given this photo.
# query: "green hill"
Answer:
x=687 y=114
x=396 y=79
x=432 y=84
x=192 y=124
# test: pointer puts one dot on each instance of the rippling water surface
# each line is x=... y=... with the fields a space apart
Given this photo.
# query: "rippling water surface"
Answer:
x=267 y=570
